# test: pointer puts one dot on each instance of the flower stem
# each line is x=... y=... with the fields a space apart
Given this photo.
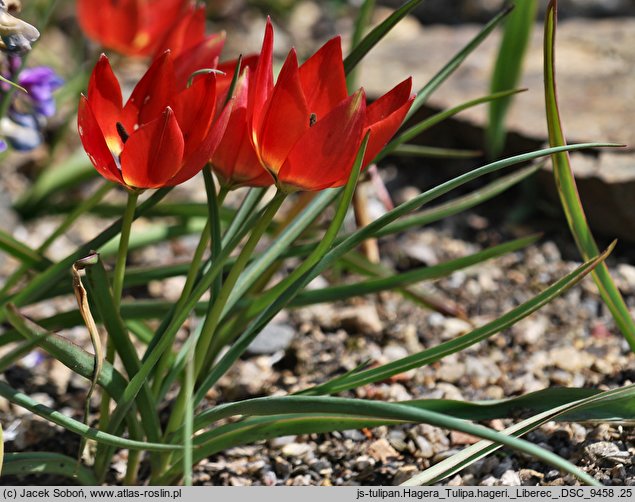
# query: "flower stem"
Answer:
x=217 y=304
x=122 y=253
x=117 y=288
x=213 y=222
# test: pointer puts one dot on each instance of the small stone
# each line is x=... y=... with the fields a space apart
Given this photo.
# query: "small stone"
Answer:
x=453 y=327
x=404 y=473
x=510 y=478
x=451 y=372
x=269 y=478
x=456 y=481
x=382 y=451
x=570 y=359
x=297 y=450
x=363 y=463
x=607 y=451
x=529 y=477
x=273 y=338
x=461 y=438
x=425 y=449
x=361 y=319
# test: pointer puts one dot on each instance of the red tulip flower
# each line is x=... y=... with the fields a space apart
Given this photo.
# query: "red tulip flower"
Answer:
x=235 y=161
x=131 y=27
x=192 y=49
x=306 y=129
x=161 y=137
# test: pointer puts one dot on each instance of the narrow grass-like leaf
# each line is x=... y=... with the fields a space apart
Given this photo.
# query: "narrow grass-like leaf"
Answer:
x=437 y=118
x=102 y=296
x=434 y=152
x=266 y=301
x=457 y=344
x=255 y=429
x=340 y=292
x=379 y=32
x=578 y=409
x=282 y=242
x=69 y=354
x=239 y=347
x=22 y=464
x=568 y=191
x=459 y=204
x=22 y=252
x=443 y=74
x=60 y=176
x=395 y=411
x=47 y=279
x=471 y=454
x=75 y=426
x=362 y=20
x=153 y=234
x=508 y=68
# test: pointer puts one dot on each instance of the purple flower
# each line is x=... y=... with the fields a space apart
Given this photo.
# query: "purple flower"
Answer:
x=40 y=82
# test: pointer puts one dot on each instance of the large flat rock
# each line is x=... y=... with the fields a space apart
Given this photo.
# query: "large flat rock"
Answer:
x=596 y=86
x=595 y=74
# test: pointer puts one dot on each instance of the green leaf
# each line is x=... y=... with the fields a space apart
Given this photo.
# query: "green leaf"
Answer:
x=457 y=344
x=616 y=404
x=22 y=464
x=273 y=297
x=296 y=277
x=340 y=292
x=443 y=74
x=568 y=191
x=434 y=152
x=47 y=279
x=69 y=354
x=379 y=32
x=22 y=252
x=382 y=410
x=57 y=177
x=508 y=69
x=437 y=118
x=459 y=204
x=75 y=426
x=13 y=84
x=101 y=295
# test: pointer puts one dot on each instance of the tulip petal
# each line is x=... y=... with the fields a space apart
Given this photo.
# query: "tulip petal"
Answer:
x=203 y=55
x=235 y=161
x=323 y=78
x=194 y=109
x=151 y=95
x=385 y=116
x=197 y=159
x=187 y=32
x=158 y=18
x=153 y=154
x=262 y=86
x=287 y=117
x=227 y=69
x=104 y=97
x=324 y=156
x=94 y=143
x=113 y=25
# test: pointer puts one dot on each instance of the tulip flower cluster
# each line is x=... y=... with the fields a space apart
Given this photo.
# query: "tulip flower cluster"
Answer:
x=300 y=133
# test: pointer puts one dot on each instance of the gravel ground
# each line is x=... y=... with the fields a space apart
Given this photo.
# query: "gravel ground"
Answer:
x=570 y=342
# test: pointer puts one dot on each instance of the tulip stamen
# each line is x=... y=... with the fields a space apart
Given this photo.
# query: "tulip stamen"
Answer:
x=123 y=134
x=312 y=119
